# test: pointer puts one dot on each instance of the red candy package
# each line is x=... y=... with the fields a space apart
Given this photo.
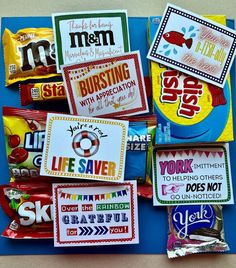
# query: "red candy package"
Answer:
x=41 y=92
x=29 y=205
x=24 y=136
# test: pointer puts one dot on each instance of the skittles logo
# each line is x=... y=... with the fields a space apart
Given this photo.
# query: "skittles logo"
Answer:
x=85 y=143
x=186 y=219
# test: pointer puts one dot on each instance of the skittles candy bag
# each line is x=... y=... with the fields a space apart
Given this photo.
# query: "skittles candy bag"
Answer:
x=29 y=205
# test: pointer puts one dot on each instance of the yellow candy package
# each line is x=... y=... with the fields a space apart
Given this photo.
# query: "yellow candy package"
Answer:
x=29 y=54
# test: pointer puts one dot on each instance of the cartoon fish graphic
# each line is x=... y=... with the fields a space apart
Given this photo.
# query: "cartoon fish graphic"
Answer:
x=176 y=38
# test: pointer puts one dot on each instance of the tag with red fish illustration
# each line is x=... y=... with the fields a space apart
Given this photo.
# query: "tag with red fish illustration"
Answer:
x=188 y=109
x=194 y=45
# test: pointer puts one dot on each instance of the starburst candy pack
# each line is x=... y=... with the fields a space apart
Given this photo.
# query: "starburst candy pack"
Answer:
x=187 y=108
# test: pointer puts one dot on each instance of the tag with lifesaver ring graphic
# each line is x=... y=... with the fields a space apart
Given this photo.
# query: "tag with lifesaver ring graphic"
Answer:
x=85 y=148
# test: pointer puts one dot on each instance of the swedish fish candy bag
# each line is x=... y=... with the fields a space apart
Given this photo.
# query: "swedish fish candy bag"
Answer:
x=24 y=136
x=29 y=54
x=187 y=109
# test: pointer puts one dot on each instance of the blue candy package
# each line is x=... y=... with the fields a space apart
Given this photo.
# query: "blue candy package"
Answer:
x=141 y=137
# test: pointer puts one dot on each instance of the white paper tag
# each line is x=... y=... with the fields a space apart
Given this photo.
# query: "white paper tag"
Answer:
x=95 y=214
x=84 y=148
x=89 y=35
x=194 y=45
x=113 y=86
x=199 y=175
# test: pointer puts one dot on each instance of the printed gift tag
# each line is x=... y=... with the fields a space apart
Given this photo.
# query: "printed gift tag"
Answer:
x=189 y=109
x=84 y=148
x=112 y=86
x=194 y=45
x=89 y=35
x=190 y=176
x=95 y=214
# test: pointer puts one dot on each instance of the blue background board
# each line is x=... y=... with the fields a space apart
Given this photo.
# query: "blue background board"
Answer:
x=153 y=221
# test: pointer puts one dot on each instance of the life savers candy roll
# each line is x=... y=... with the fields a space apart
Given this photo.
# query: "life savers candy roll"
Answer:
x=41 y=92
x=195 y=229
x=29 y=206
x=24 y=132
x=29 y=54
